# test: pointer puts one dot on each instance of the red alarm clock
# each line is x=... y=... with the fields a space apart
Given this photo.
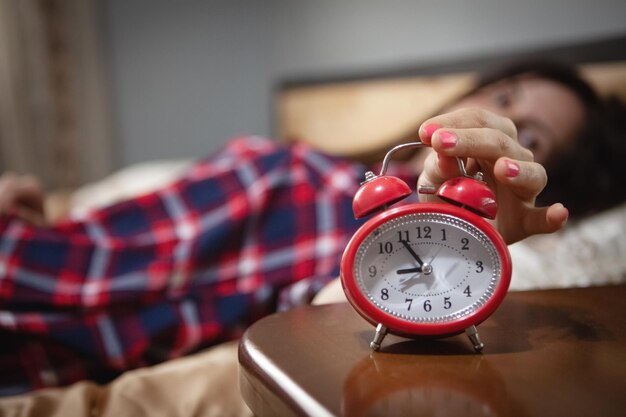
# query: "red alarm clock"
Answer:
x=425 y=269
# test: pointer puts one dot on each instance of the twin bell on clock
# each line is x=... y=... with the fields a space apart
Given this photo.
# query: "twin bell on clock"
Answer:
x=431 y=269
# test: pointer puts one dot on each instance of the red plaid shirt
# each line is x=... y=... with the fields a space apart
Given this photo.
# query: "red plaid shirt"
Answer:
x=169 y=272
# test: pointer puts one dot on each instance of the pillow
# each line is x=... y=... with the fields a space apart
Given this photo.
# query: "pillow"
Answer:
x=585 y=253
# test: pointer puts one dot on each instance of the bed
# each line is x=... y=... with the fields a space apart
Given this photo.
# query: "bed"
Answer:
x=359 y=116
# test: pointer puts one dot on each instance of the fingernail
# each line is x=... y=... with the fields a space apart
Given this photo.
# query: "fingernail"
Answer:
x=448 y=139
x=429 y=129
x=512 y=169
x=566 y=217
x=564 y=222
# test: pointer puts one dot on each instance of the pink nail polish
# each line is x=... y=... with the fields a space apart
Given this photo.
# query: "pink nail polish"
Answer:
x=448 y=139
x=566 y=217
x=512 y=169
x=429 y=129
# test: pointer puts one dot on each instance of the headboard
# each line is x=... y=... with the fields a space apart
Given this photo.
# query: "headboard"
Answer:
x=361 y=114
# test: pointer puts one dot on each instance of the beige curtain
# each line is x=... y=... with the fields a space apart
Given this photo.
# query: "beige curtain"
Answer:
x=54 y=118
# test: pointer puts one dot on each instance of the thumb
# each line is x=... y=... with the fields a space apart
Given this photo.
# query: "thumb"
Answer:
x=545 y=219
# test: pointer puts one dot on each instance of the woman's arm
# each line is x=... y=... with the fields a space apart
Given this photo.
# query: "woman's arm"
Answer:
x=490 y=141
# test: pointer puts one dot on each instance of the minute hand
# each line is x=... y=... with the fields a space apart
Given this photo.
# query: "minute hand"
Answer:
x=412 y=252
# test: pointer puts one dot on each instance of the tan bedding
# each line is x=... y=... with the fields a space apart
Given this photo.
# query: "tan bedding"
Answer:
x=200 y=385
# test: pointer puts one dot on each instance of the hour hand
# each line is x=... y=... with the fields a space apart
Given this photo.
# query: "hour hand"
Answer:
x=409 y=270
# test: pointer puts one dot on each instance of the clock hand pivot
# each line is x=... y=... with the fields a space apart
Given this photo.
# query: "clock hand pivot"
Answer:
x=424 y=268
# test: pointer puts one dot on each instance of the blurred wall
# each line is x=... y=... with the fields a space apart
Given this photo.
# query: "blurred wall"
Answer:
x=187 y=75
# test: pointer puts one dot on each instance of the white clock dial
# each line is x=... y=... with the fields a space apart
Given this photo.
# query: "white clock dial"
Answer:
x=427 y=267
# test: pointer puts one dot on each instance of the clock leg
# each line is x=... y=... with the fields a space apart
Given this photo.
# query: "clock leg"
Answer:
x=381 y=332
x=472 y=333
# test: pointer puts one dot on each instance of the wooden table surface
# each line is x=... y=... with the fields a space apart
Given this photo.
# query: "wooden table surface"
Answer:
x=547 y=353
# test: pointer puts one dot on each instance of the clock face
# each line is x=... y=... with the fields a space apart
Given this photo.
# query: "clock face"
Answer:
x=426 y=269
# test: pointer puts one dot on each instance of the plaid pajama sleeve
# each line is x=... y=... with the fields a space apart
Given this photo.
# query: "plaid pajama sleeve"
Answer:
x=169 y=272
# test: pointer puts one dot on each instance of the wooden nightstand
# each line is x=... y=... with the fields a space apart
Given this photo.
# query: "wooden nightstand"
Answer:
x=547 y=353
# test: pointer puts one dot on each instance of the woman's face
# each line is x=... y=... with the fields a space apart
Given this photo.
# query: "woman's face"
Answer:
x=548 y=115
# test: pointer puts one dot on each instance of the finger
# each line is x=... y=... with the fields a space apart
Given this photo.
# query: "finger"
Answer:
x=439 y=168
x=30 y=193
x=478 y=143
x=8 y=184
x=467 y=118
x=525 y=179
x=20 y=192
x=34 y=217
x=556 y=217
x=545 y=219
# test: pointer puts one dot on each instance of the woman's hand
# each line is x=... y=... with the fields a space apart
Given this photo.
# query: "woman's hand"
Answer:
x=22 y=196
x=490 y=143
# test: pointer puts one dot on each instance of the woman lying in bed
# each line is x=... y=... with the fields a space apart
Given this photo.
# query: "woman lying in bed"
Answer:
x=261 y=226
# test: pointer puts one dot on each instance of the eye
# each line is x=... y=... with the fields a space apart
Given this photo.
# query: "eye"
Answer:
x=503 y=95
x=528 y=138
x=503 y=98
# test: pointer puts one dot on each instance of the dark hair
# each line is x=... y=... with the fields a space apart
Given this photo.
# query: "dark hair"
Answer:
x=561 y=73
x=590 y=175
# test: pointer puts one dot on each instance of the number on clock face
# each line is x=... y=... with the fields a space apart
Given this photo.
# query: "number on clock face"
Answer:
x=427 y=267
